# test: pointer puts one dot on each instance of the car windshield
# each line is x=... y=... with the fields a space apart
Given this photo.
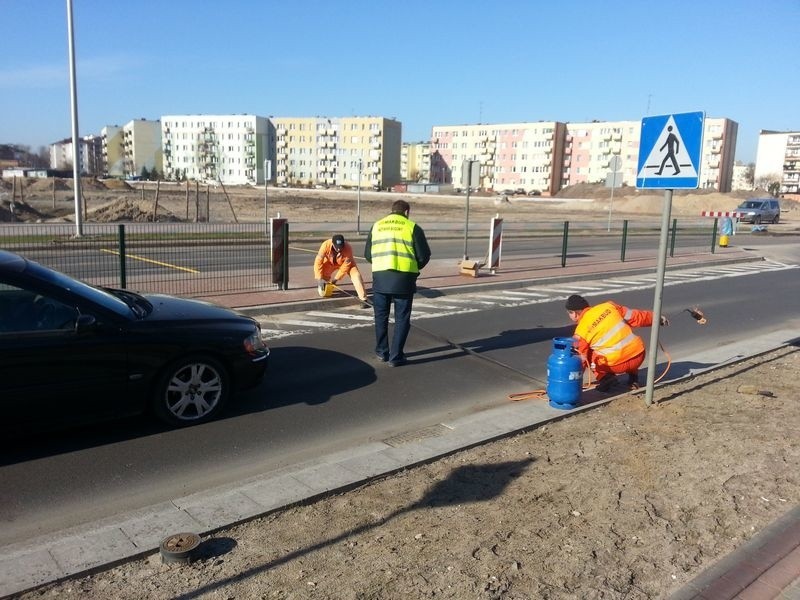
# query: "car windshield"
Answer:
x=94 y=294
x=752 y=204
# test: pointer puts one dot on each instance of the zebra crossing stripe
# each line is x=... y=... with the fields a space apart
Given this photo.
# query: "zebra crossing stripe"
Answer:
x=470 y=300
x=526 y=294
x=301 y=323
x=435 y=306
x=348 y=316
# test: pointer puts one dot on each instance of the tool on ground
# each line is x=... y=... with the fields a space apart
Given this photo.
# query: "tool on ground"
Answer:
x=364 y=303
x=697 y=315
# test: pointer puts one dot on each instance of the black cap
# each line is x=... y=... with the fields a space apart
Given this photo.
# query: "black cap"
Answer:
x=338 y=241
x=576 y=303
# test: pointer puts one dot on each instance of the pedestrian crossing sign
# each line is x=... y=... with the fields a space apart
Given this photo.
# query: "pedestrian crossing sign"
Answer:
x=669 y=151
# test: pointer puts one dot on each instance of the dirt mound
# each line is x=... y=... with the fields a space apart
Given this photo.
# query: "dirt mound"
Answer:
x=130 y=210
x=45 y=185
x=116 y=184
x=20 y=212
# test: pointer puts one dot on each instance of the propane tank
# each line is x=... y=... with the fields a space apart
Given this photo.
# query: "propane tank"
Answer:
x=564 y=375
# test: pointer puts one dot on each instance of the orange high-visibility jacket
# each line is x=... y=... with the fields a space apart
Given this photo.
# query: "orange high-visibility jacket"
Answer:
x=604 y=332
x=330 y=263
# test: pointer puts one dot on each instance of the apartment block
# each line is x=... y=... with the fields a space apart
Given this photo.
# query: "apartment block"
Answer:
x=525 y=156
x=231 y=149
x=415 y=162
x=589 y=148
x=113 y=150
x=549 y=155
x=141 y=147
x=778 y=160
x=741 y=177
x=718 y=154
x=337 y=151
x=62 y=155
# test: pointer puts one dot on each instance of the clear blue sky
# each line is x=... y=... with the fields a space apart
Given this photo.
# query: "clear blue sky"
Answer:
x=424 y=63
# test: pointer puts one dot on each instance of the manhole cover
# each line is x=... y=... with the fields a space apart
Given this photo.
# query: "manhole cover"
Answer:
x=415 y=436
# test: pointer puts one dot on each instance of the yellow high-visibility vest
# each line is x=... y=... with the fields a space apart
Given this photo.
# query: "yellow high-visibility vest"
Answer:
x=393 y=245
x=608 y=334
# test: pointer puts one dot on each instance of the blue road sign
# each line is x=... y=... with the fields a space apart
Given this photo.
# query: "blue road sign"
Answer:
x=669 y=151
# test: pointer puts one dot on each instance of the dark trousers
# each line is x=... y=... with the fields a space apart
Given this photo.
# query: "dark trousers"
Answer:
x=382 y=303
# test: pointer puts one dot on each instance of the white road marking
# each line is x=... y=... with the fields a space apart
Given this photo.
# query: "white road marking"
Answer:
x=444 y=306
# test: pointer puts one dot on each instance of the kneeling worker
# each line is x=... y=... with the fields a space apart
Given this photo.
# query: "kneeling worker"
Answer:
x=335 y=260
x=605 y=340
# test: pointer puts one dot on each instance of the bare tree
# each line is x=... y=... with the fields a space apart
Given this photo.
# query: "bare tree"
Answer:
x=765 y=181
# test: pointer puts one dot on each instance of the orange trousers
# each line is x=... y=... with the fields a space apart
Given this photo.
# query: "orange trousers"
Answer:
x=630 y=366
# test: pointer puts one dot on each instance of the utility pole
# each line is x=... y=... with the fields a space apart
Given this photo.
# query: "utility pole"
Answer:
x=76 y=150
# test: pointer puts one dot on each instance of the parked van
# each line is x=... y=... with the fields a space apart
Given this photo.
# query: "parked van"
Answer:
x=760 y=210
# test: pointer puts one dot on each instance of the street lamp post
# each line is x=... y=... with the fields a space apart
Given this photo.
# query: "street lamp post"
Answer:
x=76 y=149
x=358 y=199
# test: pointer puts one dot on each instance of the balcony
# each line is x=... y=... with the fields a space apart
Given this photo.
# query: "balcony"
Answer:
x=281 y=144
x=282 y=155
x=376 y=145
x=280 y=131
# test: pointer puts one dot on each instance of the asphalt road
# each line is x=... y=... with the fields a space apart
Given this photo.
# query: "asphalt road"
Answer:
x=326 y=392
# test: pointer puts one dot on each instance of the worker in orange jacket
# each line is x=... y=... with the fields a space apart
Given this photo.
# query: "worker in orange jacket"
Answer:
x=335 y=260
x=605 y=340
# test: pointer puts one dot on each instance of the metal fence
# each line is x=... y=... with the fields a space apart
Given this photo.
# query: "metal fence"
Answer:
x=189 y=259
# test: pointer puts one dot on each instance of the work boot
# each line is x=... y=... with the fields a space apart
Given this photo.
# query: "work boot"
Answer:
x=605 y=383
x=633 y=381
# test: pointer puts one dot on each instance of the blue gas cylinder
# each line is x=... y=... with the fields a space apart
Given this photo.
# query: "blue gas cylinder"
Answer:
x=564 y=375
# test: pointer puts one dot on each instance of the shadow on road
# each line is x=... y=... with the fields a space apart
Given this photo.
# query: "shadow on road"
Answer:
x=296 y=375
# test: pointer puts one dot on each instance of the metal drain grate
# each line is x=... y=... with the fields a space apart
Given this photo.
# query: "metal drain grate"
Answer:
x=414 y=436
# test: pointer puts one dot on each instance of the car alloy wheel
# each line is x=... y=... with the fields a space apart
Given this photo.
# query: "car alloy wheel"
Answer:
x=192 y=390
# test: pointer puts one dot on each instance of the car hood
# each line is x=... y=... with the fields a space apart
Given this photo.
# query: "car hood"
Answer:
x=171 y=308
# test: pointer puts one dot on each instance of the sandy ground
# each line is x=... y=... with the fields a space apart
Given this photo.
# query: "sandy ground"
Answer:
x=623 y=501
x=111 y=201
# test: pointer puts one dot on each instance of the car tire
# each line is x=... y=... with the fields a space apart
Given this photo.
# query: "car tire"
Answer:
x=776 y=219
x=757 y=220
x=191 y=390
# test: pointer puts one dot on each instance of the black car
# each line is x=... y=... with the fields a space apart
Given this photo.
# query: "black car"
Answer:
x=71 y=352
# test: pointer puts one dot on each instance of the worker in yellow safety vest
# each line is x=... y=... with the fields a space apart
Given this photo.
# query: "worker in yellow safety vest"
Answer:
x=398 y=250
x=605 y=339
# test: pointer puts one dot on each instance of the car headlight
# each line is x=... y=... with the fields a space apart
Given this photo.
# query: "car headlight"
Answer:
x=254 y=344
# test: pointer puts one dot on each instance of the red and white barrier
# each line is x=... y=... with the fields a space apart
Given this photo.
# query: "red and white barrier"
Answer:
x=720 y=213
x=495 y=243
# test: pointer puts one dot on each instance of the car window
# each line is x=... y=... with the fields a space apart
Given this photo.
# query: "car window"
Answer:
x=23 y=310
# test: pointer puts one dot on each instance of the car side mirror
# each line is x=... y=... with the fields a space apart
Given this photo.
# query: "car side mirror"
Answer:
x=85 y=323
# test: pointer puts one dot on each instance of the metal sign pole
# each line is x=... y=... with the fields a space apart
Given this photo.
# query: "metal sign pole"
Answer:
x=358 y=199
x=662 y=267
x=267 y=177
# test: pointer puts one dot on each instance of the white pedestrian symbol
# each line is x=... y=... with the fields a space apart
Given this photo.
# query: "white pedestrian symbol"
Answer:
x=669 y=149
